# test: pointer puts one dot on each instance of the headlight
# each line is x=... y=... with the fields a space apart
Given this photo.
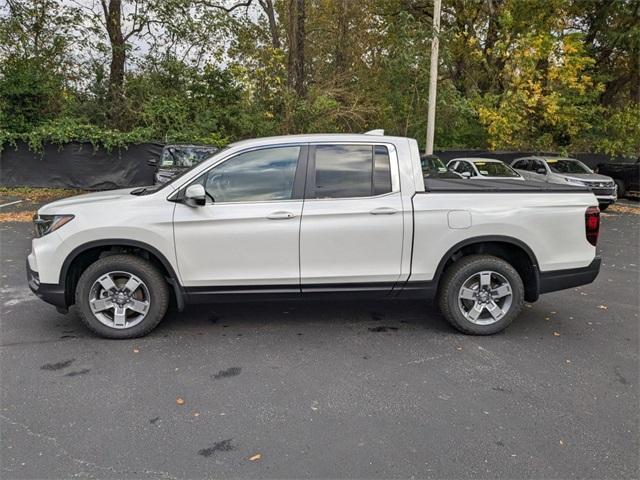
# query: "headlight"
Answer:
x=49 y=223
x=573 y=181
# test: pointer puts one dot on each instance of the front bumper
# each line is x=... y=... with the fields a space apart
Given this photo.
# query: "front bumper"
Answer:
x=607 y=199
x=49 y=292
x=562 y=279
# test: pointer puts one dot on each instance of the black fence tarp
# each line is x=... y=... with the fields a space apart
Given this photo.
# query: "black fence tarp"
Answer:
x=78 y=165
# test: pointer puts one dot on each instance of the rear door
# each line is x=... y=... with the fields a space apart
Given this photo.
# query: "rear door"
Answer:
x=351 y=233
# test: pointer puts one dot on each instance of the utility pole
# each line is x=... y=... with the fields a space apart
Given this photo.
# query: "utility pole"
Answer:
x=433 y=78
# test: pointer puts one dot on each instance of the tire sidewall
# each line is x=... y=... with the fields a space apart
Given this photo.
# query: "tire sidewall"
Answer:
x=156 y=285
x=474 y=265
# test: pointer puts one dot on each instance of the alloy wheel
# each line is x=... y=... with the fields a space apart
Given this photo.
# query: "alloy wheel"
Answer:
x=119 y=299
x=485 y=297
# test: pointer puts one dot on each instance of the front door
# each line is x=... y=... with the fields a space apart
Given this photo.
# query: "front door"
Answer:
x=246 y=236
x=351 y=234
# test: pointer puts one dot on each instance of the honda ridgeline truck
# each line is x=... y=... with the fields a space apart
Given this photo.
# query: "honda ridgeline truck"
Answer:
x=313 y=216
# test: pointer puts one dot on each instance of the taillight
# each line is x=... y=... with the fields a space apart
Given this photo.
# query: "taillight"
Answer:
x=592 y=224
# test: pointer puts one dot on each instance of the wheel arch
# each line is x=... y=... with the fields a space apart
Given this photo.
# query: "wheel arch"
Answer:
x=82 y=256
x=510 y=249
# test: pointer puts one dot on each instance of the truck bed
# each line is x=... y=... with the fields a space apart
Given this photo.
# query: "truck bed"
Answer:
x=460 y=185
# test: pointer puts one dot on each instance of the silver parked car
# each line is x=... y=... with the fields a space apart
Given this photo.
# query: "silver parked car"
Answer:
x=568 y=171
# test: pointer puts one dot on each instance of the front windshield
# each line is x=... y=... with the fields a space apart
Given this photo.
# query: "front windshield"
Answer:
x=567 y=166
x=495 y=169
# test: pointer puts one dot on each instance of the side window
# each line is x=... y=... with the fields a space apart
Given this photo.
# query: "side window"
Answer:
x=520 y=164
x=259 y=175
x=535 y=165
x=381 y=170
x=465 y=167
x=347 y=171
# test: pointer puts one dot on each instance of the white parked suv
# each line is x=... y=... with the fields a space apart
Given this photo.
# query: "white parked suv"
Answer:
x=313 y=216
x=483 y=168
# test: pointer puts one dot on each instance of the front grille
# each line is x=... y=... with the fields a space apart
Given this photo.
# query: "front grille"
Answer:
x=603 y=191
x=592 y=184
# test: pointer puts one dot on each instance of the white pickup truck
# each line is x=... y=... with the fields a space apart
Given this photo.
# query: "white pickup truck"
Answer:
x=313 y=216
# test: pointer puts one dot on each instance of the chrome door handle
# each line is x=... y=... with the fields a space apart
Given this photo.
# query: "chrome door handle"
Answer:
x=383 y=211
x=280 y=215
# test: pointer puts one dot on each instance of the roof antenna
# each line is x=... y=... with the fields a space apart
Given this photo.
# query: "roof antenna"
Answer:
x=379 y=131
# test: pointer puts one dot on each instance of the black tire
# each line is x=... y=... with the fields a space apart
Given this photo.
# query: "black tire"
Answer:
x=154 y=281
x=458 y=273
x=603 y=206
x=621 y=188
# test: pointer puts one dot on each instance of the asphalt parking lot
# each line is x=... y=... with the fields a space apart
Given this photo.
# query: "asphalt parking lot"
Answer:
x=319 y=390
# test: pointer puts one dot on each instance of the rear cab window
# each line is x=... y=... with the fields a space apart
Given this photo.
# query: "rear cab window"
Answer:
x=349 y=171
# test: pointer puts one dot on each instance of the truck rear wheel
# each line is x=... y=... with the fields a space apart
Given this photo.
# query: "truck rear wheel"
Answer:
x=122 y=296
x=481 y=294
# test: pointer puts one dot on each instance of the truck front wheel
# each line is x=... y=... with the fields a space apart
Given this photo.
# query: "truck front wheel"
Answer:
x=481 y=294
x=122 y=296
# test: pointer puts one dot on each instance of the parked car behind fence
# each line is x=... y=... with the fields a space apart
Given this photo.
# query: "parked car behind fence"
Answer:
x=176 y=159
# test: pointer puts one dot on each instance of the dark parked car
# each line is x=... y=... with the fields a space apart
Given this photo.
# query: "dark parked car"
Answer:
x=626 y=173
x=433 y=167
x=176 y=159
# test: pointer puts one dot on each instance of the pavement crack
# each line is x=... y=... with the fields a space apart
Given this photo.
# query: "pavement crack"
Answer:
x=84 y=463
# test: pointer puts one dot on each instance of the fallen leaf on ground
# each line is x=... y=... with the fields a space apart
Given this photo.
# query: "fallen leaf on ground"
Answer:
x=16 y=217
x=257 y=456
x=556 y=334
x=602 y=307
x=135 y=350
x=180 y=401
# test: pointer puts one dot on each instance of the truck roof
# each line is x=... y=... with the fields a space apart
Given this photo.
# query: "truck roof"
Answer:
x=320 y=137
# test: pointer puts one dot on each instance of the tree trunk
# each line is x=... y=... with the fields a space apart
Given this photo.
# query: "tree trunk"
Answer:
x=341 y=44
x=267 y=6
x=113 y=21
x=296 y=56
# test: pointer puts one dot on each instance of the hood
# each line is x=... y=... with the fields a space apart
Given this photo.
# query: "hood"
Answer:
x=66 y=205
x=590 y=177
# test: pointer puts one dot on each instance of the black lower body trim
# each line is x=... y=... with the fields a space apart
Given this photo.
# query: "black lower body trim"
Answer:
x=52 y=293
x=234 y=293
x=574 y=277
x=425 y=290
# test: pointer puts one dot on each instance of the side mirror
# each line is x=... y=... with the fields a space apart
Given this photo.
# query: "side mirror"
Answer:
x=541 y=171
x=152 y=162
x=466 y=174
x=194 y=195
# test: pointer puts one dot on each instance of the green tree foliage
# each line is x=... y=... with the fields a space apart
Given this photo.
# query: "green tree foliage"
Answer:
x=514 y=74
